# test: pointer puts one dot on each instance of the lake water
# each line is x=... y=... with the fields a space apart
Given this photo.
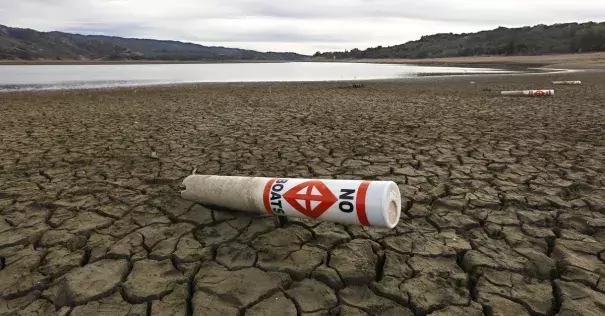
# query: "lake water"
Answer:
x=47 y=77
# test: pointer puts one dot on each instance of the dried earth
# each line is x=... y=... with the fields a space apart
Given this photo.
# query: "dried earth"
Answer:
x=504 y=210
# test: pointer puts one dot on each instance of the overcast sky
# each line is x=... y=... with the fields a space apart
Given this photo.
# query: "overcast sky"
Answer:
x=303 y=26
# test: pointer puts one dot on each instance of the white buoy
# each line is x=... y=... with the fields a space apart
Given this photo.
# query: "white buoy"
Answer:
x=369 y=203
x=529 y=93
x=567 y=82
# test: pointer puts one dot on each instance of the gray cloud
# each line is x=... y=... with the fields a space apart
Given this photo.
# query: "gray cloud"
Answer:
x=465 y=11
x=303 y=26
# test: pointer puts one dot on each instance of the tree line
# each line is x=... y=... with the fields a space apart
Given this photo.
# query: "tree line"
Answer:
x=537 y=40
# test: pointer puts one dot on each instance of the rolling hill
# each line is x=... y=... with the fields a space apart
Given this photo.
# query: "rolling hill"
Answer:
x=27 y=44
x=536 y=40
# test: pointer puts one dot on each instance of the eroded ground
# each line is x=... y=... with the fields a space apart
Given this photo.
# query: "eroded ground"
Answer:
x=504 y=200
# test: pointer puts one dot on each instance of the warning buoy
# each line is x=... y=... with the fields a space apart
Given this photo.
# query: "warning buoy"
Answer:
x=368 y=203
x=530 y=93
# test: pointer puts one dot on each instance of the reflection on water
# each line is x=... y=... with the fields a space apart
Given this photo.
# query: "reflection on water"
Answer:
x=50 y=77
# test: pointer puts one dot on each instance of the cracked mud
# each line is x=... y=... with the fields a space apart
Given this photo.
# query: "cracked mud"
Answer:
x=504 y=200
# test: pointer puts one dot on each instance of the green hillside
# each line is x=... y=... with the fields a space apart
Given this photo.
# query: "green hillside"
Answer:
x=27 y=44
x=537 y=40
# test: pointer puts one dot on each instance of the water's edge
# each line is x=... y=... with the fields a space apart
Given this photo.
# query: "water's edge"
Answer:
x=69 y=77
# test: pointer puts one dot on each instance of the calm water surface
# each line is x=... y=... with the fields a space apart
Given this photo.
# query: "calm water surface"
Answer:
x=46 y=77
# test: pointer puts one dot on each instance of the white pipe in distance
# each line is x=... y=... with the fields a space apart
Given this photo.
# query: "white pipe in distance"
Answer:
x=529 y=93
x=368 y=203
x=567 y=82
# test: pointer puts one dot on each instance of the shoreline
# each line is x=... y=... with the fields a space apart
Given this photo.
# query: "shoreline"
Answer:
x=511 y=66
x=570 y=61
x=421 y=78
x=515 y=65
x=575 y=60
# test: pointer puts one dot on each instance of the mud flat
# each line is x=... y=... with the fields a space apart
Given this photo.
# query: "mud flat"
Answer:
x=504 y=199
x=564 y=61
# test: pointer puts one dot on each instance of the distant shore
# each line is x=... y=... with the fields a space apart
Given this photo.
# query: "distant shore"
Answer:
x=562 y=61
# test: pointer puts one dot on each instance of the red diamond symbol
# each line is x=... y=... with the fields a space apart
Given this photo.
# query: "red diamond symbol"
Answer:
x=315 y=196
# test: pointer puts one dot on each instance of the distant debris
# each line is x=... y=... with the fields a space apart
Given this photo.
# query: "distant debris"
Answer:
x=529 y=93
x=567 y=82
x=154 y=155
x=354 y=86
